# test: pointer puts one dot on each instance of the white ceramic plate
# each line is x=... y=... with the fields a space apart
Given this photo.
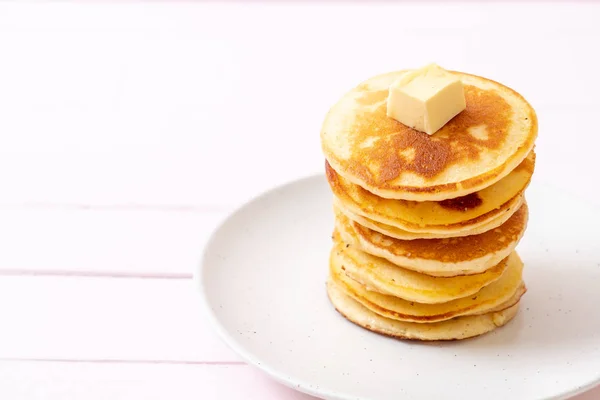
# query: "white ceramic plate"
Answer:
x=263 y=281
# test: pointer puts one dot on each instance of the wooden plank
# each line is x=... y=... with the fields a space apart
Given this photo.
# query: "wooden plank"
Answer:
x=105 y=318
x=126 y=240
x=94 y=381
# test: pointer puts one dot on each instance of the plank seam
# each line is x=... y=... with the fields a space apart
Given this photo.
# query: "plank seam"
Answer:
x=119 y=361
x=94 y=274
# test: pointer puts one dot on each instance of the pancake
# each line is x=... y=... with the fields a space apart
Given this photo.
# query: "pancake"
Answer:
x=499 y=295
x=440 y=257
x=379 y=275
x=453 y=329
x=474 y=150
x=401 y=234
x=411 y=215
x=457 y=229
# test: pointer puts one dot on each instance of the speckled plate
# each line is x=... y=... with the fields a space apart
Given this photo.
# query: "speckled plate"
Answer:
x=262 y=279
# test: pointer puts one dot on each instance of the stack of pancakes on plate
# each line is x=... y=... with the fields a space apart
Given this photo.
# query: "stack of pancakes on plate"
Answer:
x=426 y=226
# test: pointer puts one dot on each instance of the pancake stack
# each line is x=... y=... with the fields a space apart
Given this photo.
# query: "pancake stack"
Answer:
x=426 y=226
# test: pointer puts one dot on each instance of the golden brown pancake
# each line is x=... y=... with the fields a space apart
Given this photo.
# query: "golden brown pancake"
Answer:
x=401 y=234
x=440 y=257
x=378 y=274
x=453 y=329
x=498 y=295
x=451 y=230
x=475 y=149
x=416 y=216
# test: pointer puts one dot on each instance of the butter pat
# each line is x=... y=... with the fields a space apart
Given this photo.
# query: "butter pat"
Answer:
x=426 y=99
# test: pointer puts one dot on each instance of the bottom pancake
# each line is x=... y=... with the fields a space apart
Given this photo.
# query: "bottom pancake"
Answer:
x=454 y=329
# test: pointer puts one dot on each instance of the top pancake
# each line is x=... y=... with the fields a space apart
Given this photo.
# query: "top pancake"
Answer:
x=475 y=149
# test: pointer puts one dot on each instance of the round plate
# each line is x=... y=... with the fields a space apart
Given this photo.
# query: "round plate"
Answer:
x=263 y=276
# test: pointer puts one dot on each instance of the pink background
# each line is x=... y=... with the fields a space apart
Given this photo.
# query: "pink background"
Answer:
x=130 y=129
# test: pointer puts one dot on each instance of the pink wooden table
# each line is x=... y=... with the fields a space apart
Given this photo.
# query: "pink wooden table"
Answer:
x=127 y=131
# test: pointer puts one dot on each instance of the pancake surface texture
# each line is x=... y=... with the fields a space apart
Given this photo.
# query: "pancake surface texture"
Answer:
x=440 y=257
x=453 y=329
x=378 y=274
x=476 y=149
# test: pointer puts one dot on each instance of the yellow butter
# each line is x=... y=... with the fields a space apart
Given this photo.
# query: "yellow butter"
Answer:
x=426 y=99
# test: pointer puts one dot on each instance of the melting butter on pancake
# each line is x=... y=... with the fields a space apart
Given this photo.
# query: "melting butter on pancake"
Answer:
x=440 y=257
x=415 y=216
x=453 y=329
x=474 y=150
x=378 y=274
x=499 y=295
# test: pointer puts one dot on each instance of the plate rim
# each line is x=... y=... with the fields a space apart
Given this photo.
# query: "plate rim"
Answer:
x=199 y=284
